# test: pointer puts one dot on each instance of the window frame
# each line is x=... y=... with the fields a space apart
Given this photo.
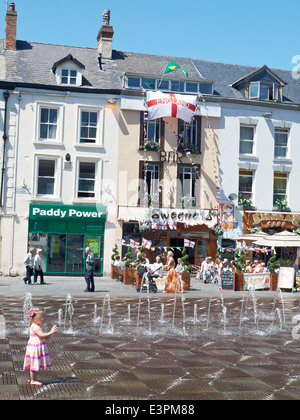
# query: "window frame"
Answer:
x=280 y=175
x=246 y=194
x=193 y=168
x=97 y=180
x=253 y=127
x=141 y=198
x=56 y=196
x=100 y=126
x=282 y=131
x=59 y=125
x=273 y=91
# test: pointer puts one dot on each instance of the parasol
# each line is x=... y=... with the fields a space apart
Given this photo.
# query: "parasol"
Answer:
x=281 y=239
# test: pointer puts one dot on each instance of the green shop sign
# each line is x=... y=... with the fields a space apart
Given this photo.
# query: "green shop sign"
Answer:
x=67 y=213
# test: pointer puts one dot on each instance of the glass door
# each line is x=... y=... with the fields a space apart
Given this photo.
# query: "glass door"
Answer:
x=75 y=254
x=95 y=242
x=56 y=253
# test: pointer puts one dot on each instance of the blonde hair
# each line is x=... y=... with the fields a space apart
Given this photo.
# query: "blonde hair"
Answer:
x=39 y=250
x=36 y=312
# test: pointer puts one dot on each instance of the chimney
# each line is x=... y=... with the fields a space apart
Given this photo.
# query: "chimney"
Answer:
x=105 y=37
x=11 y=28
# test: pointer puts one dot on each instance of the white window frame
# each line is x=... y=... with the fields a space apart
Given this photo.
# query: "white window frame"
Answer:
x=98 y=180
x=275 y=88
x=69 y=67
x=253 y=140
x=56 y=196
x=59 y=130
x=287 y=132
x=99 y=143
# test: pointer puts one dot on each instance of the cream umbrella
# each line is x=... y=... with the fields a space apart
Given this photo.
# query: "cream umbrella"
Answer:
x=252 y=237
x=281 y=239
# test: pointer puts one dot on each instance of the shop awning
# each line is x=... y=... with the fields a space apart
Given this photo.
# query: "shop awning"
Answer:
x=252 y=237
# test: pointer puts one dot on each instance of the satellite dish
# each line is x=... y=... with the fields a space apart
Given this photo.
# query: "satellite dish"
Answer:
x=232 y=197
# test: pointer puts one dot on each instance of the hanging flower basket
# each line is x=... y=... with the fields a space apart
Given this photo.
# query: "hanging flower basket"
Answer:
x=144 y=228
x=246 y=203
x=219 y=231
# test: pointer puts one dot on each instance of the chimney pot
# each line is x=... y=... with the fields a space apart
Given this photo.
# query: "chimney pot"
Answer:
x=12 y=7
x=105 y=37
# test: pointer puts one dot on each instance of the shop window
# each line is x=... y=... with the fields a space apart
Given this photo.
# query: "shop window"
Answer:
x=75 y=254
x=280 y=187
x=281 y=143
x=246 y=140
x=87 y=180
x=46 y=177
x=88 y=127
x=56 y=253
x=245 y=184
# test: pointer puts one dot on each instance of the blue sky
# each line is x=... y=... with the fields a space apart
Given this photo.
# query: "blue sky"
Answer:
x=252 y=32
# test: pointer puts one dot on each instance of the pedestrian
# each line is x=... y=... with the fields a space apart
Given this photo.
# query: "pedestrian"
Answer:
x=37 y=356
x=38 y=270
x=89 y=275
x=28 y=262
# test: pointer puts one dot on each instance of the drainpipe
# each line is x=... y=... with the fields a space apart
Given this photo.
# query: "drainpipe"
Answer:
x=6 y=96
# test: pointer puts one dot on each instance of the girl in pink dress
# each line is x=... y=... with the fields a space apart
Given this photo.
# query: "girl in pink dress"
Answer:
x=37 y=356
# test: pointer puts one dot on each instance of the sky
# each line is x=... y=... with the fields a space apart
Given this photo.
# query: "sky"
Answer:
x=253 y=32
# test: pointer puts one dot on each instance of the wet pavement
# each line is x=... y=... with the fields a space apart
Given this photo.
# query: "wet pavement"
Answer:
x=120 y=345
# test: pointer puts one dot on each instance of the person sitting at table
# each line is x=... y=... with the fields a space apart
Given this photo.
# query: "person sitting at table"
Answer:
x=156 y=267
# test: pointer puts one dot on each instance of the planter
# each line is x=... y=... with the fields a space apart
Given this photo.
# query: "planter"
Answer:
x=239 y=282
x=113 y=272
x=186 y=277
x=273 y=282
x=128 y=275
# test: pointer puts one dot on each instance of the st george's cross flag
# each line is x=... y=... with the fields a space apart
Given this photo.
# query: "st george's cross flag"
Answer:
x=171 y=105
x=189 y=244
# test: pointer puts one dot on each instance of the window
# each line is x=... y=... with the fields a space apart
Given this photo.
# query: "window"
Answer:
x=189 y=135
x=88 y=127
x=264 y=91
x=87 y=180
x=152 y=136
x=281 y=143
x=149 y=187
x=188 y=178
x=68 y=77
x=46 y=177
x=280 y=187
x=246 y=140
x=48 y=123
x=245 y=184
x=169 y=85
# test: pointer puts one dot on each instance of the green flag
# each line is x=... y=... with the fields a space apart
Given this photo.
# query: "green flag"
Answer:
x=173 y=66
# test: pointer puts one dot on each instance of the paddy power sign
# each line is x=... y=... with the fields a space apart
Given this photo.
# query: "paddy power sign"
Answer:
x=271 y=220
x=64 y=212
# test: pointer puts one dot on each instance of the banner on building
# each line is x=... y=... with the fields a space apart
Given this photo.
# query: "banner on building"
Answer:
x=162 y=105
x=226 y=215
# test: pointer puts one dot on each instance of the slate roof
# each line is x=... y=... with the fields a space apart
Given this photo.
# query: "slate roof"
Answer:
x=32 y=63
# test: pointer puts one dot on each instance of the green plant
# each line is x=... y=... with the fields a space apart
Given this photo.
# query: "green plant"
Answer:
x=184 y=261
x=141 y=257
x=219 y=230
x=115 y=252
x=272 y=262
x=246 y=202
x=188 y=201
x=281 y=204
x=128 y=256
x=239 y=260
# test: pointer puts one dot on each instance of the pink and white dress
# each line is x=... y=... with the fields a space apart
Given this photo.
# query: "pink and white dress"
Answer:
x=37 y=356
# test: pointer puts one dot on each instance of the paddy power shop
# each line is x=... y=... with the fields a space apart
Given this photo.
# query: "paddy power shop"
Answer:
x=63 y=232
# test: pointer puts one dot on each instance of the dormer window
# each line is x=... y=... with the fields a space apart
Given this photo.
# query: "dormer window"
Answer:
x=262 y=84
x=269 y=92
x=69 y=77
x=68 y=71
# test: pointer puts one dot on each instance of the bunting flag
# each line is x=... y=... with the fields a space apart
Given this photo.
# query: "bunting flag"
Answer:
x=173 y=66
x=134 y=244
x=189 y=244
x=162 y=105
x=147 y=244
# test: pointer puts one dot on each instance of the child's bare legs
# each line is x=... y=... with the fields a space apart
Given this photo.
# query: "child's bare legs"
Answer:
x=33 y=380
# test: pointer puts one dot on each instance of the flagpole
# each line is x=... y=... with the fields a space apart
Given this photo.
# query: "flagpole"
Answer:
x=162 y=77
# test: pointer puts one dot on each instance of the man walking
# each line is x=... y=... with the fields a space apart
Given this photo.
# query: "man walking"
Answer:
x=28 y=262
x=89 y=275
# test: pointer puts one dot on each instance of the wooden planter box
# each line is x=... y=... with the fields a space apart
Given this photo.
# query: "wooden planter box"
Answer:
x=186 y=277
x=273 y=282
x=239 y=282
x=113 y=272
x=128 y=275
